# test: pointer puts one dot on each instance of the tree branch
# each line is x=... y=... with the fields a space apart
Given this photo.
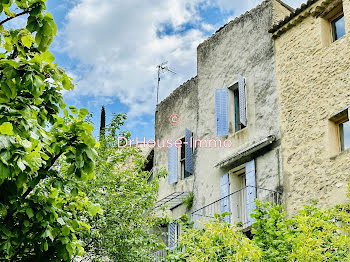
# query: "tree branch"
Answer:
x=53 y=161
x=10 y=18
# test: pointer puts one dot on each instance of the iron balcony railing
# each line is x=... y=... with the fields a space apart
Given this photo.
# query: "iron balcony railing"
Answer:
x=159 y=256
x=239 y=204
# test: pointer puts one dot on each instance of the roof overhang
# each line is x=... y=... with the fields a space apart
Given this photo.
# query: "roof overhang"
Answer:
x=245 y=154
x=172 y=201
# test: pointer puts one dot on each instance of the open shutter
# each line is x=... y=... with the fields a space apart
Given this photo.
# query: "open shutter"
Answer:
x=172 y=235
x=221 y=108
x=188 y=152
x=224 y=192
x=172 y=164
x=242 y=100
x=251 y=190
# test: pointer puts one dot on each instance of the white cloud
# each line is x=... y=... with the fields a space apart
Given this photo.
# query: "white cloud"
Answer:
x=118 y=48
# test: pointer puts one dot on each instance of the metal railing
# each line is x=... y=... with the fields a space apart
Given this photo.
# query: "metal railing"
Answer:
x=159 y=256
x=239 y=204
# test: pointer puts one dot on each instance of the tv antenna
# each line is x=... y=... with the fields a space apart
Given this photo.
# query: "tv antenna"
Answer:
x=162 y=68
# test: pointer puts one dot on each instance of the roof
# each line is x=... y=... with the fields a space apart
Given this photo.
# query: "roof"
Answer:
x=296 y=12
x=246 y=152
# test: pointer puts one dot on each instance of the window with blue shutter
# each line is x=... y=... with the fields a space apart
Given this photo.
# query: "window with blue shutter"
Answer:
x=172 y=164
x=188 y=153
x=224 y=194
x=221 y=108
x=242 y=101
x=251 y=190
x=173 y=231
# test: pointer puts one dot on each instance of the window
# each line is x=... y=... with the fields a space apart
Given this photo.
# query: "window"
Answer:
x=339 y=131
x=235 y=108
x=338 y=27
x=344 y=135
x=184 y=173
x=238 y=125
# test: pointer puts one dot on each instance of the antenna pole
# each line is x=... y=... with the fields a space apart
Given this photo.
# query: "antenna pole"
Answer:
x=158 y=85
x=162 y=68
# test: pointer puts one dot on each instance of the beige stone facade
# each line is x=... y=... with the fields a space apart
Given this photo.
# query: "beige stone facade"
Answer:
x=313 y=73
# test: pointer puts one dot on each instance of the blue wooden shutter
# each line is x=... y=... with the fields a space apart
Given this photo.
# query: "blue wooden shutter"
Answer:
x=172 y=235
x=251 y=190
x=172 y=164
x=221 y=108
x=224 y=192
x=188 y=152
x=242 y=100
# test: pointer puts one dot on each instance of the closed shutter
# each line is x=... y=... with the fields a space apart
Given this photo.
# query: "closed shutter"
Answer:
x=242 y=100
x=251 y=190
x=188 y=152
x=221 y=108
x=224 y=193
x=172 y=164
x=172 y=235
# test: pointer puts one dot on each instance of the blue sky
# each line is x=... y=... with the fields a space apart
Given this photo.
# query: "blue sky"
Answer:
x=112 y=47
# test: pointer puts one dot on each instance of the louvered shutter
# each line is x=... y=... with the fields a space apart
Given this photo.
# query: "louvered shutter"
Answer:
x=188 y=152
x=172 y=164
x=172 y=235
x=224 y=192
x=251 y=190
x=242 y=100
x=221 y=108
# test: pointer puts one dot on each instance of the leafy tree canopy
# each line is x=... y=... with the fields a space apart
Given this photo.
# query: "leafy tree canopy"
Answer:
x=42 y=154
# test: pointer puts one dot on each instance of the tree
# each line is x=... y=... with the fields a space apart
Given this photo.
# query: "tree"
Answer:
x=102 y=123
x=124 y=231
x=42 y=155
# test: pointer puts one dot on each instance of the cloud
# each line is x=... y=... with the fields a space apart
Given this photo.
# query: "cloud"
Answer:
x=118 y=46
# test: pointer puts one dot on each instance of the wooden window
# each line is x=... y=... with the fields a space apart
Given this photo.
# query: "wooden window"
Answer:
x=338 y=26
x=339 y=130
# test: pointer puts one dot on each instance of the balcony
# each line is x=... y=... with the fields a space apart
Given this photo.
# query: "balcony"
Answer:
x=237 y=204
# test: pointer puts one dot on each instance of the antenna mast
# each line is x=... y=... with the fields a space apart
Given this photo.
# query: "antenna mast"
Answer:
x=162 y=68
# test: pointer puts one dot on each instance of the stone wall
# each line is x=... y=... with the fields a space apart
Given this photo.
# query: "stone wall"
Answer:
x=314 y=84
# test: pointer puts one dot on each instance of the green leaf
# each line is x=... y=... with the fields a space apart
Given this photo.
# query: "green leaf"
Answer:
x=83 y=113
x=20 y=164
x=6 y=129
x=34 y=160
x=46 y=246
x=30 y=212
x=27 y=41
x=26 y=223
x=65 y=231
x=61 y=221
x=73 y=109
x=94 y=209
x=4 y=172
x=47 y=57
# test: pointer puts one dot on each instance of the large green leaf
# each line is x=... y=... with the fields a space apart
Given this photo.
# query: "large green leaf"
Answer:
x=6 y=129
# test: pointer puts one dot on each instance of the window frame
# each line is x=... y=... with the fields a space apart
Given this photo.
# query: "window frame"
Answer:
x=235 y=107
x=341 y=137
x=182 y=160
x=333 y=21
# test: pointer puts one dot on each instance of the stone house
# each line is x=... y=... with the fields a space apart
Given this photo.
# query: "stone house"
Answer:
x=312 y=48
x=218 y=134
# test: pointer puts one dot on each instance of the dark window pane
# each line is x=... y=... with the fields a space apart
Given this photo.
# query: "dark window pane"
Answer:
x=345 y=135
x=338 y=26
x=237 y=117
x=183 y=153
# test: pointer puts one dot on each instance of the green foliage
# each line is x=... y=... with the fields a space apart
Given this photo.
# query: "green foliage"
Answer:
x=123 y=233
x=216 y=241
x=42 y=155
x=313 y=234
x=272 y=232
x=188 y=202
